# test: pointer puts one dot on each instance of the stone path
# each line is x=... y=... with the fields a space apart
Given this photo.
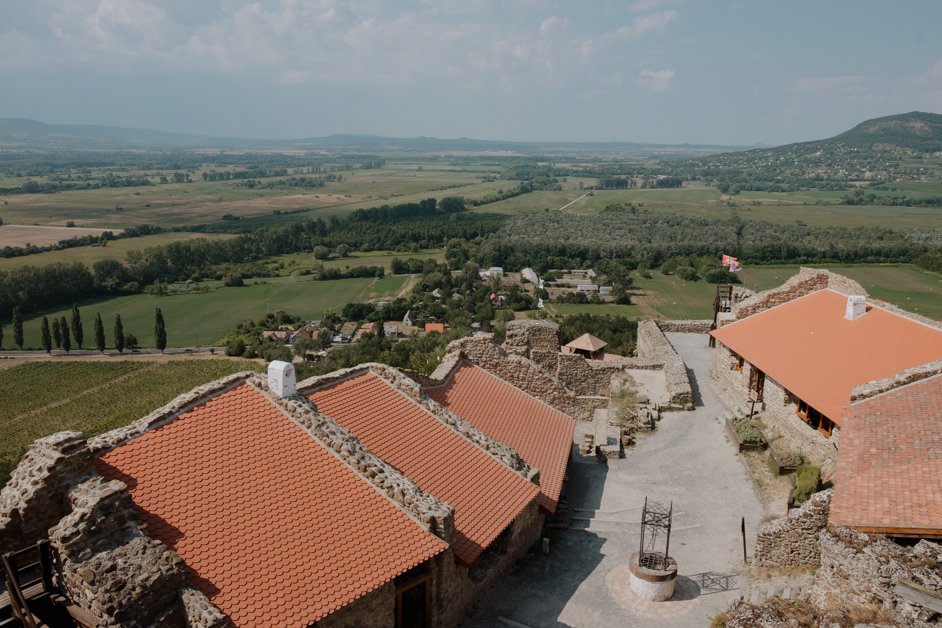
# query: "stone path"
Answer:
x=687 y=460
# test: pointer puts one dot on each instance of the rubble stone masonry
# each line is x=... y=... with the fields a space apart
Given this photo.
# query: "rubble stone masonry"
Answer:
x=807 y=280
x=792 y=541
x=653 y=344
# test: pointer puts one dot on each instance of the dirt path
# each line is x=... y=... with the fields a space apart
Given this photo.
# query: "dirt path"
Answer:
x=407 y=286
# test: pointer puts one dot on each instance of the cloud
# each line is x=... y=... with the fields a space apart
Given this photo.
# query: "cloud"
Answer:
x=646 y=5
x=656 y=80
x=645 y=24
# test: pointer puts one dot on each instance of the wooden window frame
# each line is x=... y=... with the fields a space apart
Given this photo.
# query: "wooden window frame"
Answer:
x=740 y=361
x=419 y=580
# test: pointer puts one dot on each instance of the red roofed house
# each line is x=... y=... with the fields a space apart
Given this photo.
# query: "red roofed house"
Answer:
x=889 y=472
x=241 y=503
x=541 y=434
x=801 y=349
x=490 y=488
x=439 y=327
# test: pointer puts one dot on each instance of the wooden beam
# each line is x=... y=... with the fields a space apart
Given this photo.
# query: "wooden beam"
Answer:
x=919 y=595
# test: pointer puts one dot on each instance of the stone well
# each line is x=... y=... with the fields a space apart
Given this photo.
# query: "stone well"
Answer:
x=655 y=583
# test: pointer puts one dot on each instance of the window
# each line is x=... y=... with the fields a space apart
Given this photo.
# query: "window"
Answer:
x=739 y=363
x=826 y=426
x=814 y=418
x=413 y=600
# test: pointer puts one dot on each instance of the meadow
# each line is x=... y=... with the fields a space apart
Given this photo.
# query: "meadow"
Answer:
x=92 y=397
x=203 y=318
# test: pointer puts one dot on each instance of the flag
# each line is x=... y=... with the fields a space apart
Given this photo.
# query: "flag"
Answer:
x=735 y=266
x=727 y=259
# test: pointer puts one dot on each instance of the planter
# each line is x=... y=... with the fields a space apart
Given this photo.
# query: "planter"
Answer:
x=780 y=467
x=741 y=446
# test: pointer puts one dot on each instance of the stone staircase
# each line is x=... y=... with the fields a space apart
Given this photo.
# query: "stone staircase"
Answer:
x=792 y=587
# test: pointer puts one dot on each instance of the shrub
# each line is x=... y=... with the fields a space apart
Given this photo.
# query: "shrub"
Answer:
x=233 y=281
x=721 y=275
x=787 y=457
x=235 y=347
x=749 y=431
x=807 y=479
x=687 y=273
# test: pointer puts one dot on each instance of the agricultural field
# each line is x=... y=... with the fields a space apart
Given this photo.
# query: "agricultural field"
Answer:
x=22 y=235
x=668 y=297
x=199 y=202
x=203 y=318
x=92 y=397
x=296 y=262
x=116 y=249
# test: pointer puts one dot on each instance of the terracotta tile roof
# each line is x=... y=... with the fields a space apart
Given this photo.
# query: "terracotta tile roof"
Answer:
x=275 y=529
x=439 y=327
x=587 y=342
x=889 y=467
x=485 y=494
x=541 y=434
x=808 y=347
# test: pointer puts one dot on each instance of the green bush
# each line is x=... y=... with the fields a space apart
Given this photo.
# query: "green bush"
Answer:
x=235 y=347
x=807 y=479
x=749 y=431
x=687 y=273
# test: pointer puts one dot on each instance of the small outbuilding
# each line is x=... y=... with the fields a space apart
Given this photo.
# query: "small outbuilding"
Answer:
x=588 y=346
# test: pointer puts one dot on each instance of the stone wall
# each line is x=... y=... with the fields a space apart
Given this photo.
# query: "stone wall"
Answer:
x=685 y=327
x=526 y=335
x=857 y=569
x=792 y=541
x=807 y=280
x=908 y=376
x=376 y=609
x=585 y=377
x=37 y=495
x=110 y=568
x=527 y=376
x=653 y=344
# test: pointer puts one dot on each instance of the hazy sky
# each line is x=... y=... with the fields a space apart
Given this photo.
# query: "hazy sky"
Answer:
x=698 y=71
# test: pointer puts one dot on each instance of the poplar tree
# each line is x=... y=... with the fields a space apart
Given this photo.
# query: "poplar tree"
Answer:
x=46 y=336
x=99 y=333
x=66 y=337
x=17 y=328
x=118 y=334
x=77 y=332
x=56 y=333
x=160 y=331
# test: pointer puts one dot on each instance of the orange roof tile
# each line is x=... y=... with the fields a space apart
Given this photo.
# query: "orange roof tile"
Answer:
x=808 y=347
x=889 y=466
x=439 y=327
x=254 y=504
x=485 y=494
x=541 y=434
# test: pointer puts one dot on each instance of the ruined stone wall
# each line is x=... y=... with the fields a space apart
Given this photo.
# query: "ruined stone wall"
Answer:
x=37 y=495
x=524 y=336
x=585 y=377
x=376 y=609
x=908 y=376
x=857 y=569
x=110 y=568
x=653 y=344
x=527 y=376
x=685 y=327
x=807 y=280
x=792 y=541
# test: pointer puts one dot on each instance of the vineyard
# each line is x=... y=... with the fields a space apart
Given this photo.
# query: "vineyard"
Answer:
x=91 y=398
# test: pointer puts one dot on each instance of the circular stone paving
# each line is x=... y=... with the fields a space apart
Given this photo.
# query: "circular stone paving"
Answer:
x=685 y=598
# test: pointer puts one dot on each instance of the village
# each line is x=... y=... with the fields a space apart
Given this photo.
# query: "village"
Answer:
x=781 y=460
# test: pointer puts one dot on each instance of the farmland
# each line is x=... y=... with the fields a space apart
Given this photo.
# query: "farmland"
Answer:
x=202 y=318
x=90 y=397
x=24 y=235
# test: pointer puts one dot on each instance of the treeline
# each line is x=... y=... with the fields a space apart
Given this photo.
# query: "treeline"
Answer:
x=306 y=182
x=554 y=240
x=412 y=225
x=859 y=197
x=68 y=243
x=52 y=186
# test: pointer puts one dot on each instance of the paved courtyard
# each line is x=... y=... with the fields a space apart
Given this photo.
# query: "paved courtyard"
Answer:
x=583 y=580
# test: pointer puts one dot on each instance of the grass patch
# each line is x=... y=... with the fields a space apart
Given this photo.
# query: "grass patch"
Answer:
x=807 y=478
x=93 y=398
x=201 y=319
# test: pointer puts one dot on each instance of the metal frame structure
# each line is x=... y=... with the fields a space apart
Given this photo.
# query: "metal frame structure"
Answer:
x=655 y=522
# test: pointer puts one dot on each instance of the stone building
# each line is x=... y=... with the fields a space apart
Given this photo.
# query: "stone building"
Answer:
x=349 y=499
x=799 y=351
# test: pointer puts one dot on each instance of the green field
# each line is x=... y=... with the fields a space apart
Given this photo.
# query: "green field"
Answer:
x=294 y=262
x=202 y=319
x=116 y=249
x=667 y=297
x=91 y=397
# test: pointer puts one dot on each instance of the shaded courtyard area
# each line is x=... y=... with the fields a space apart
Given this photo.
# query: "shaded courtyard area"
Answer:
x=583 y=579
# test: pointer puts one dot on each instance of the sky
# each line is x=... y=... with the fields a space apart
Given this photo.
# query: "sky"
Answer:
x=656 y=71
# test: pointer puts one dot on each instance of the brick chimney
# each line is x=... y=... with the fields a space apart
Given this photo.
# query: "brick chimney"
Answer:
x=856 y=307
x=281 y=378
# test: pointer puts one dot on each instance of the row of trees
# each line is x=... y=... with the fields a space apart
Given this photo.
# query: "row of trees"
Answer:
x=61 y=332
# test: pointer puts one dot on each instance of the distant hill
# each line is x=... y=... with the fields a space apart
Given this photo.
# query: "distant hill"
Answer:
x=23 y=134
x=916 y=131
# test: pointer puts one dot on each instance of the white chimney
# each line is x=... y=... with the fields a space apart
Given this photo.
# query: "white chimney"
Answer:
x=856 y=307
x=281 y=378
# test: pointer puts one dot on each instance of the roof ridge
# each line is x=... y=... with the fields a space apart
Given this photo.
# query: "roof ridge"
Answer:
x=166 y=413
x=427 y=510
x=902 y=380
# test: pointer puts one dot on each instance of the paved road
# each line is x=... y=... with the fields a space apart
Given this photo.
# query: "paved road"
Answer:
x=687 y=460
